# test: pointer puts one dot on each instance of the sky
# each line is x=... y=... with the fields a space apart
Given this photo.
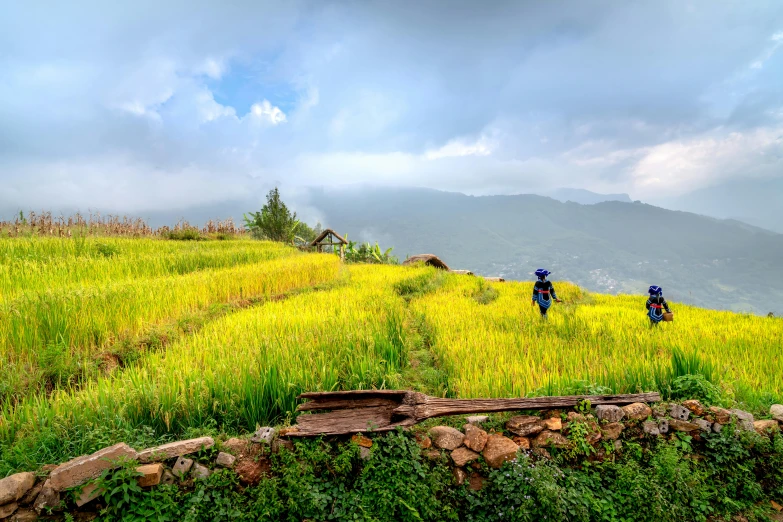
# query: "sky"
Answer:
x=144 y=105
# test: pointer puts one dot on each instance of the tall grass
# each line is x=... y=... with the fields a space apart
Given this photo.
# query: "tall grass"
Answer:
x=37 y=265
x=504 y=348
x=79 y=323
x=243 y=369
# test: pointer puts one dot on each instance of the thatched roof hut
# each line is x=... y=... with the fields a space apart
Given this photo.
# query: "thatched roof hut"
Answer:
x=329 y=238
x=461 y=272
x=427 y=259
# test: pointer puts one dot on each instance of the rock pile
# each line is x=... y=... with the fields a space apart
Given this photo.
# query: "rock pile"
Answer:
x=535 y=435
x=23 y=496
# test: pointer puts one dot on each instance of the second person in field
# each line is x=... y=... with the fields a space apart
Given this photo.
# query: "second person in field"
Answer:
x=544 y=292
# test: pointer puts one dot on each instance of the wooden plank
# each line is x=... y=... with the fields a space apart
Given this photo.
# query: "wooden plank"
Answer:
x=425 y=407
x=353 y=393
x=383 y=410
x=342 y=404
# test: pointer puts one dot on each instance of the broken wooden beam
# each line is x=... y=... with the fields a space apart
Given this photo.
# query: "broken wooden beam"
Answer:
x=383 y=410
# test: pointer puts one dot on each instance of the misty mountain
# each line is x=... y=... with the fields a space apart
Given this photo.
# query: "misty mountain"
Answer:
x=758 y=202
x=612 y=247
x=585 y=197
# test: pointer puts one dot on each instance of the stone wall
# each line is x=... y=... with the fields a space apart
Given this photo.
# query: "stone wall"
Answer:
x=26 y=496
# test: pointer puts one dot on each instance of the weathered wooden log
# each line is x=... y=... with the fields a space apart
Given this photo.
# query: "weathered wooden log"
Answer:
x=384 y=410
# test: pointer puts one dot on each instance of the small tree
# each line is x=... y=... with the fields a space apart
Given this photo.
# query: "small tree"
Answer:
x=275 y=222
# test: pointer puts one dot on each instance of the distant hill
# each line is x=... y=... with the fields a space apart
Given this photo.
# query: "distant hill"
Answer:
x=758 y=202
x=613 y=247
x=585 y=197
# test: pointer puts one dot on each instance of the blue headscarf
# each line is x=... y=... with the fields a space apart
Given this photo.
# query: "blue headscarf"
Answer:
x=541 y=273
x=656 y=290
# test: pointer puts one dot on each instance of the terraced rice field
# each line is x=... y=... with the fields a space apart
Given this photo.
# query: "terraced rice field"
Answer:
x=288 y=322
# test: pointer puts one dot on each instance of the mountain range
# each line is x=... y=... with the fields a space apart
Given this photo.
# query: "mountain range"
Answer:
x=611 y=246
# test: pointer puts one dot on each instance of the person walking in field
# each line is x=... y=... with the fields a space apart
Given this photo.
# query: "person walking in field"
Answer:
x=656 y=304
x=543 y=292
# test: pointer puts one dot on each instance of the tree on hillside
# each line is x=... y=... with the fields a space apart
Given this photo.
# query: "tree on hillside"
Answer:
x=275 y=222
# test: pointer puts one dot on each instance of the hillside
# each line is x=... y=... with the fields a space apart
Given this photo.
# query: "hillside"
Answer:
x=146 y=341
x=610 y=247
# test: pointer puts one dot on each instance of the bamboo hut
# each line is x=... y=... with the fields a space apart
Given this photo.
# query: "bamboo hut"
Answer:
x=329 y=238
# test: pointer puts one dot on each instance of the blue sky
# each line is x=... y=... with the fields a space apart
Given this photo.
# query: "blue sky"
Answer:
x=141 y=106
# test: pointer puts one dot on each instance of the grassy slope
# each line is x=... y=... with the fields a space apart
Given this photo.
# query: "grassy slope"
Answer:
x=440 y=333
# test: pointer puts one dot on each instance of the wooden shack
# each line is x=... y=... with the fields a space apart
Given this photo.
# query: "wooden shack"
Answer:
x=329 y=240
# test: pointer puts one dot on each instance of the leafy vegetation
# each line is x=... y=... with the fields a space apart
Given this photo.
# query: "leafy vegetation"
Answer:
x=330 y=481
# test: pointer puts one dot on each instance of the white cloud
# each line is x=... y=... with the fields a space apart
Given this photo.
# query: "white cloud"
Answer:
x=212 y=68
x=483 y=146
x=677 y=167
x=267 y=113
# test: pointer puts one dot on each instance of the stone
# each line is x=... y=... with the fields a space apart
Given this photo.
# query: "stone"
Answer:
x=498 y=450
x=618 y=445
x=522 y=442
x=553 y=424
x=168 y=478
x=8 y=509
x=236 y=446
x=477 y=419
x=225 y=460
x=432 y=454
x=423 y=441
x=476 y=482
x=24 y=515
x=695 y=407
x=31 y=495
x=182 y=466
x=150 y=474
x=609 y=413
x=89 y=493
x=680 y=425
x=460 y=475
x=717 y=427
x=14 y=487
x=524 y=425
x=462 y=456
x=722 y=416
x=651 y=428
x=362 y=441
x=542 y=453
x=199 y=471
x=446 y=437
x=49 y=498
x=765 y=426
x=551 y=438
x=776 y=410
x=704 y=425
x=81 y=469
x=279 y=445
x=679 y=412
x=637 y=411
x=264 y=435
x=663 y=426
x=612 y=431
x=475 y=438
x=744 y=419
x=175 y=449
x=364 y=453
x=251 y=471
x=576 y=417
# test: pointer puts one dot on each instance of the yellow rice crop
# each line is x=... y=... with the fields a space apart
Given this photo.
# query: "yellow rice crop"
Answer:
x=504 y=348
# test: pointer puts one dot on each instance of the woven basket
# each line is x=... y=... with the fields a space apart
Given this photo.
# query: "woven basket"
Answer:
x=668 y=316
